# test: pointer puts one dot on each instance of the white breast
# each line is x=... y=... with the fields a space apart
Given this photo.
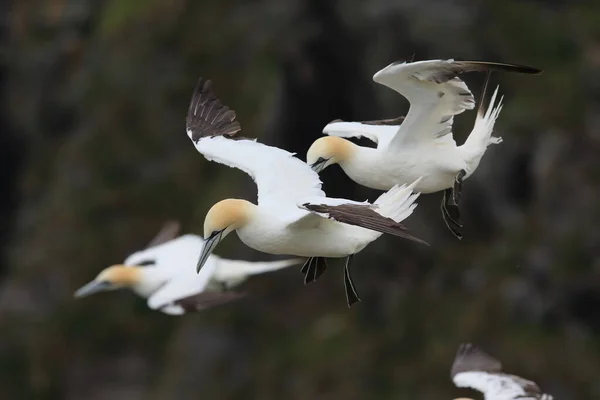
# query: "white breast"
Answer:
x=381 y=169
x=319 y=237
x=153 y=278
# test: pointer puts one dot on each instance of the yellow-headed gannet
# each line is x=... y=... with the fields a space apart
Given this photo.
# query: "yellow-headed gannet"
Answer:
x=477 y=370
x=293 y=215
x=421 y=144
x=165 y=274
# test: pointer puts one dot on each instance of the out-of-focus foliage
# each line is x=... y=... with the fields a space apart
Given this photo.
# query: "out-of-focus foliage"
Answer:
x=94 y=158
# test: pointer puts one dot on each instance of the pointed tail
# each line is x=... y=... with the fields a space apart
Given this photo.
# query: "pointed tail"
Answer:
x=398 y=203
x=481 y=136
x=234 y=272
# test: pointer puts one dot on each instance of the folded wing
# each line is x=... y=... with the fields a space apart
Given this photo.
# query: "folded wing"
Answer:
x=380 y=131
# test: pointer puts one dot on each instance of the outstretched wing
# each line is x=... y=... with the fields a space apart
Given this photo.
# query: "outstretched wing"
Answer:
x=436 y=95
x=207 y=116
x=379 y=131
x=280 y=177
x=475 y=369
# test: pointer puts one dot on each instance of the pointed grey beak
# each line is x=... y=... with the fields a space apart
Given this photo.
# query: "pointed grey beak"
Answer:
x=209 y=245
x=92 y=287
x=319 y=165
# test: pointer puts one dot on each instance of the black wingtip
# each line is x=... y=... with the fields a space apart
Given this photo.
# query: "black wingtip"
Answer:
x=169 y=231
x=471 y=358
x=208 y=116
x=204 y=300
x=522 y=69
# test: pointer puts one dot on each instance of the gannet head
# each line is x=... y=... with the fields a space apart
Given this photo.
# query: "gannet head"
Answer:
x=328 y=150
x=223 y=218
x=111 y=278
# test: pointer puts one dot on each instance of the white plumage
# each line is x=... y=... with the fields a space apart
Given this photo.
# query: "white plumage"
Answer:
x=293 y=215
x=477 y=370
x=165 y=274
x=423 y=144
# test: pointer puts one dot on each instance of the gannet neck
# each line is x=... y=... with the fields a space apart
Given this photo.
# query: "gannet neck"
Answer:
x=228 y=215
x=330 y=150
x=121 y=276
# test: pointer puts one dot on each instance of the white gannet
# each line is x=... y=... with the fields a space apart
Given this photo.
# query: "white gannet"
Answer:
x=165 y=274
x=293 y=215
x=477 y=370
x=421 y=144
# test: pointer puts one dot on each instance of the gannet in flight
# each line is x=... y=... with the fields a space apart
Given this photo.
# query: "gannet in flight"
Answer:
x=293 y=215
x=477 y=370
x=421 y=144
x=165 y=274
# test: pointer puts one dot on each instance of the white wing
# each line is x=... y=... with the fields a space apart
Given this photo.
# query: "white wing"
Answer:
x=493 y=386
x=281 y=178
x=183 y=285
x=380 y=134
x=179 y=255
x=435 y=94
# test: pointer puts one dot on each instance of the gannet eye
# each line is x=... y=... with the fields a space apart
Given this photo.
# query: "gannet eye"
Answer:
x=318 y=165
x=146 y=263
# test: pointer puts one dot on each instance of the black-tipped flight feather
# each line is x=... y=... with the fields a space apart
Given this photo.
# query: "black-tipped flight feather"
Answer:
x=475 y=369
x=208 y=116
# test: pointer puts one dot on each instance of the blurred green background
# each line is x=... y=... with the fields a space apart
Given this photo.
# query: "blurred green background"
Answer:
x=94 y=158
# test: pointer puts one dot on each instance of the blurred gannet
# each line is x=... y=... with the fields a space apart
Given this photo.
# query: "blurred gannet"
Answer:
x=477 y=370
x=293 y=215
x=165 y=274
x=421 y=144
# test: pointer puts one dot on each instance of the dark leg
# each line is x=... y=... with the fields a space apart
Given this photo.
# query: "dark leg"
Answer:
x=457 y=189
x=450 y=209
x=351 y=294
x=313 y=268
x=321 y=266
x=305 y=266
x=309 y=270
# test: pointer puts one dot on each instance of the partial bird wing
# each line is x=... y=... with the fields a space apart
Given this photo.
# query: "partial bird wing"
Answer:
x=379 y=131
x=204 y=300
x=178 y=255
x=280 y=177
x=364 y=215
x=477 y=370
x=436 y=95
x=182 y=285
x=169 y=231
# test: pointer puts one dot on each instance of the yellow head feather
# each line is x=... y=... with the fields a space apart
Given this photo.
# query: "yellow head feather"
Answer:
x=227 y=215
x=120 y=275
x=331 y=148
